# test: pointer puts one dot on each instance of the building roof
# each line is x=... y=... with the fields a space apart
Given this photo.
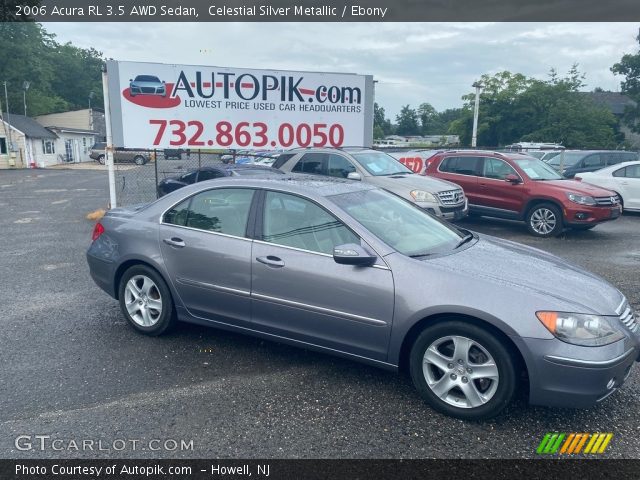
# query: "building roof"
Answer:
x=73 y=130
x=615 y=102
x=28 y=126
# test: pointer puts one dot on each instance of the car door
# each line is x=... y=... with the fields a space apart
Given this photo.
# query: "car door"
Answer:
x=207 y=254
x=499 y=197
x=628 y=179
x=462 y=170
x=300 y=292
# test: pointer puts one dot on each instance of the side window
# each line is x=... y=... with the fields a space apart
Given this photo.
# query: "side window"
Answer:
x=209 y=175
x=633 y=171
x=621 y=172
x=223 y=210
x=495 y=168
x=594 y=160
x=292 y=221
x=189 y=177
x=310 y=163
x=460 y=165
x=282 y=159
x=338 y=166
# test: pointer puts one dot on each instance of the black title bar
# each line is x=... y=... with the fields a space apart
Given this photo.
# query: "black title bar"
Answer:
x=318 y=11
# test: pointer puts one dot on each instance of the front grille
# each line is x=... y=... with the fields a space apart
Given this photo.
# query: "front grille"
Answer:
x=148 y=90
x=607 y=201
x=628 y=318
x=451 y=197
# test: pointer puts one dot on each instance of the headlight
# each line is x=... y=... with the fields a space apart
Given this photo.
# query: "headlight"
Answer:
x=581 y=329
x=581 y=199
x=422 y=196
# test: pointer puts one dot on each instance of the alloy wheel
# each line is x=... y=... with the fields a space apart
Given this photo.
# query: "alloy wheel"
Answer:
x=460 y=371
x=143 y=300
x=543 y=221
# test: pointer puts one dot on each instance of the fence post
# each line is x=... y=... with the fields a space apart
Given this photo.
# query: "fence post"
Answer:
x=199 y=162
x=155 y=162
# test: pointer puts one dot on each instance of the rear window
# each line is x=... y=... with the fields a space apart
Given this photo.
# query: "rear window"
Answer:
x=282 y=159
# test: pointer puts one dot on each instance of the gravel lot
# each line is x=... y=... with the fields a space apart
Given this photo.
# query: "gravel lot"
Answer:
x=71 y=368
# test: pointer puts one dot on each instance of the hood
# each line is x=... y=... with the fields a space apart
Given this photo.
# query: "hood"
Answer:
x=579 y=187
x=407 y=182
x=513 y=265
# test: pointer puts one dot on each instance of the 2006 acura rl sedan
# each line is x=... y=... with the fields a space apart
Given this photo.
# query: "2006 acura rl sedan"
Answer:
x=346 y=268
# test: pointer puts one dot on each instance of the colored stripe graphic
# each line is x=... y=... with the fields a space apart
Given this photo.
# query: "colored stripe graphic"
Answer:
x=573 y=443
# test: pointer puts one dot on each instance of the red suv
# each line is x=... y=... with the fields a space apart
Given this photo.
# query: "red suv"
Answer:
x=520 y=187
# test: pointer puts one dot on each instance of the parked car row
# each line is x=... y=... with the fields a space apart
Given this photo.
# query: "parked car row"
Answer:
x=320 y=260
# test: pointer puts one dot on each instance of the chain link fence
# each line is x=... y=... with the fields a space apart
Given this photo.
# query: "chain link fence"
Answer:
x=137 y=181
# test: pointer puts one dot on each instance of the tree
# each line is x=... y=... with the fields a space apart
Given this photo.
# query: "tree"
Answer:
x=629 y=67
x=407 y=121
x=381 y=125
x=61 y=76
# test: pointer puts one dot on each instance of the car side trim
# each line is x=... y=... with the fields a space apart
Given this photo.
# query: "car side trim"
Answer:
x=211 y=286
x=573 y=362
x=305 y=306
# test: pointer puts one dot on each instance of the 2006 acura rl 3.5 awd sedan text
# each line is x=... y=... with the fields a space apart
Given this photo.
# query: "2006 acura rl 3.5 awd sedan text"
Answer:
x=347 y=268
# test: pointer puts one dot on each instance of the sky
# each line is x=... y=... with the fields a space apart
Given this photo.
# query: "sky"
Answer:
x=412 y=62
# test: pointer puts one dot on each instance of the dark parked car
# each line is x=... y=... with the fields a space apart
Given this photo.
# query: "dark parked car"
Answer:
x=120 y=155
x=147 y=85
x=201 y=174
x=177 y=153
x=350 y=269
x=570 y=162
x=519 y=187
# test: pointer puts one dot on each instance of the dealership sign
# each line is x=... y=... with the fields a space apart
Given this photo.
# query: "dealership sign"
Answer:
x=179 y=106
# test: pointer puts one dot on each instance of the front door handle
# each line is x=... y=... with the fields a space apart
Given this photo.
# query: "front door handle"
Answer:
x=271 y=261
x=175 y=242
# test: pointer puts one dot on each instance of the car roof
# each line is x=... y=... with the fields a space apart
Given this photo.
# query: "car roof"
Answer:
x=346 y=149
x=293 y=182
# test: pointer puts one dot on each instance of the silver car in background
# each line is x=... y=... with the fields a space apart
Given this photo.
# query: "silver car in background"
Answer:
x=349 y=269
x=439 y=197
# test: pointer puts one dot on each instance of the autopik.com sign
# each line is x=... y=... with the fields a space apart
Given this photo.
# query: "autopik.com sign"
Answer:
x=179 y=106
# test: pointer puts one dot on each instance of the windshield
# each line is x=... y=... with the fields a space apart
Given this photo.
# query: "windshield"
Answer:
x=399 y=224
x=147 y=78
x=570 y=159
x=378 y=163
x=537 y=170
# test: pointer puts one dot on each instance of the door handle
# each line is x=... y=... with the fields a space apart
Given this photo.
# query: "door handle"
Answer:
x=271 y=261
x=175 y=242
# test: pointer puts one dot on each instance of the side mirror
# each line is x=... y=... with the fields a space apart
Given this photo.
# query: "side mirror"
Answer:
x=354 y=176
x=512 y=178
x=353 y=254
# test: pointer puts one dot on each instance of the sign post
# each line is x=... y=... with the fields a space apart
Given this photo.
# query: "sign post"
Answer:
x=109 y=145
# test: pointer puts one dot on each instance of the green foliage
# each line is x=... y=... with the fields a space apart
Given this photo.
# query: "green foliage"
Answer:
x=517 y=108
x=61 y=77
x=629 y=67
x=381 y=125
x=407 y=121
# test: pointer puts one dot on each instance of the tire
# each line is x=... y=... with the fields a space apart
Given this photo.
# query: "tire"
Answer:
x=139 y=291
x=139 y=160
x=462 y=397
x=101 y=160
x=544 y=220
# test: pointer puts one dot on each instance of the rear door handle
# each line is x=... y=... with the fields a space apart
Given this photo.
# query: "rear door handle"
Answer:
x=175 y=242
x=271 y=261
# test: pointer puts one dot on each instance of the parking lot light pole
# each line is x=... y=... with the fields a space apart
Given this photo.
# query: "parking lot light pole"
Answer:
x=474 y=138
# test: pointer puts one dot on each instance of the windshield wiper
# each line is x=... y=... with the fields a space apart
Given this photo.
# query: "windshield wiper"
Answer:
x=398 y=173
x=419 y=255
x=468 y=237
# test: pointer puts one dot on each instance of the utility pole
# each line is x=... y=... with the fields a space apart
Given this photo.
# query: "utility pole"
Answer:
x=109 y=146
x=6 y=99
x=474 y=138
x=25 y=87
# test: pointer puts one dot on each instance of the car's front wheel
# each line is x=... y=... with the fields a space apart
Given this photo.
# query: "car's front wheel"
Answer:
x=462 y=370
x=101 y=160
x=145 y=300
x=139 y=160
x=544 y=220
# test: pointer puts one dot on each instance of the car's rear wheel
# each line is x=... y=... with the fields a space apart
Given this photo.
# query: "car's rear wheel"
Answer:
x=544 y=220
x=139 y=160
x=462 y=370
x=145 y=300
x=101 y=160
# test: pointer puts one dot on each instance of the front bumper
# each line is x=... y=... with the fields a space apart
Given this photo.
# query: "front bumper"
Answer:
x=563 y=375
x=456 y=212
x=587 y=215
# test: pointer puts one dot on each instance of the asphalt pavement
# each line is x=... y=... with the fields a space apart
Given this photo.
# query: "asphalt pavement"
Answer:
x=72 y=370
